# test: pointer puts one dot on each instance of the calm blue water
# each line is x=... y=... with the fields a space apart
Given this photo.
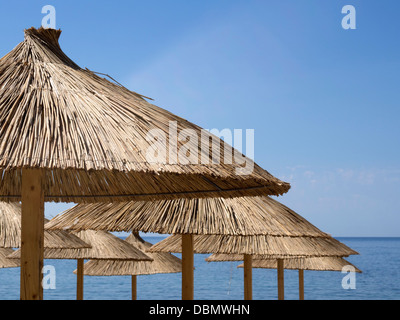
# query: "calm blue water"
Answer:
x=379 y=260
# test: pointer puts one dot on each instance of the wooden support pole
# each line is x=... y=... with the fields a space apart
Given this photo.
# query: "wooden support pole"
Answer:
x=79 y=280
x=187 y=267
x=134 y=287
x=32 y=234
x=248 y=282
x=134 y=277
x=281 y=292
x=301 y=284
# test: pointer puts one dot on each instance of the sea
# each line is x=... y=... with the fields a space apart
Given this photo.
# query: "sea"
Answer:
x=379 y=261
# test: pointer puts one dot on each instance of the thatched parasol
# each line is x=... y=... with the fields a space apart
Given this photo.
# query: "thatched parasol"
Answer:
x=219 y=225
x=4 y=261
x=162 y=263
x=222 y=216
x=10 y=231
x=68 y=135
x=103 y=246
x=300 y=264
x=94 y=133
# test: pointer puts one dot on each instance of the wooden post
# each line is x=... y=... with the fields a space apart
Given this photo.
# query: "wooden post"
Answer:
x=134 y=286
x=32 y=238
x=79 y=280
x=301 y=284
x=281 y=293
x=248 y=285
x=187 y=267
x=134 y=277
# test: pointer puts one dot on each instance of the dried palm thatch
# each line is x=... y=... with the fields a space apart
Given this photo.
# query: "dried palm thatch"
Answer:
x=236 y=216
x=315 y=263
x=4 y=261
x=91 y=136
x=10 y=231
x=259 y=245
x=103 y=245
x=162 y=263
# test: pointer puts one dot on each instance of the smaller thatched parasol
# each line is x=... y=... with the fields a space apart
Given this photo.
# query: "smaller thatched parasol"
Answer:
x=103 y=246
x=162 y=263
x=10 y=231
x=301 y=264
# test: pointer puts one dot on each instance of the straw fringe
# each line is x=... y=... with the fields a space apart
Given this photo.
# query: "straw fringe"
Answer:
x=316 y=264
x=10 y=231
x=162 y=263
x=104 y=245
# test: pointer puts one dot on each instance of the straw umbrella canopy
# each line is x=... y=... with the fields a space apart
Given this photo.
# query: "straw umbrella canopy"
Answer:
x=300 y=264
x=162 y=263
x=10 y=231
x=91 y=136
x=212 y=216
x=218 y=225
x=103 y=246
x=69 y=135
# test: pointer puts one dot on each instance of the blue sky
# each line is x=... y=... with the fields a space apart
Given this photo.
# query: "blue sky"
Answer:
x=323 y=101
